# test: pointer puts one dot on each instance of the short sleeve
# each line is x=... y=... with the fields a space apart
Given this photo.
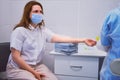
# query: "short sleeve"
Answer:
x=17 y=39
x=49 y=34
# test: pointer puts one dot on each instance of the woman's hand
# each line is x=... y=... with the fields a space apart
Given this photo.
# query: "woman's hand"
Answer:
x=90 y=42
x=37 y=75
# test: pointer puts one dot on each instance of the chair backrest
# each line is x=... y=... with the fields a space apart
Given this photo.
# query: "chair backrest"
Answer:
x=115 y=67
x=4 y=54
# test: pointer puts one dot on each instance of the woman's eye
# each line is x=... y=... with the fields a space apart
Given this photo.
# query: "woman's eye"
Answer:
x=37 y=11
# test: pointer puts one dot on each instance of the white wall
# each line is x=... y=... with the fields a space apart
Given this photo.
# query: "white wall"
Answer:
x=76 y=18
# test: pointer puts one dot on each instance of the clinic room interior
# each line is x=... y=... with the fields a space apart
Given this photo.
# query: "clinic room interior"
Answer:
x=74 y=18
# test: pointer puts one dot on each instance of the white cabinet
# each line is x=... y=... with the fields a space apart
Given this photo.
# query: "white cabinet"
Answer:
x=76 y=67
x=74 y=78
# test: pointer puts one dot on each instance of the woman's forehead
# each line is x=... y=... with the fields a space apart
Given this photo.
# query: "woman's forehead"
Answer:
x=36 y=7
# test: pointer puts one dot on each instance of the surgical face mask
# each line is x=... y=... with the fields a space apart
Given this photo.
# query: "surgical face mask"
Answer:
x=37 y=18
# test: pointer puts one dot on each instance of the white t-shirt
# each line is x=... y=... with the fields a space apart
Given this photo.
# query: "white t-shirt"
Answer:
x=31 y=43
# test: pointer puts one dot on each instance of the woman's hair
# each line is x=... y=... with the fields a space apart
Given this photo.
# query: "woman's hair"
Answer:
x=25 y=21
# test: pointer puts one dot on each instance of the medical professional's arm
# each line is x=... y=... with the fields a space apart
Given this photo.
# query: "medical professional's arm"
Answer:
x=17 y=58
x=58 y=38
x=105 y=38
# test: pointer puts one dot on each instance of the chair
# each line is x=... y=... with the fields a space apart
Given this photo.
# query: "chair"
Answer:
x=115 y=67
x=4 y=54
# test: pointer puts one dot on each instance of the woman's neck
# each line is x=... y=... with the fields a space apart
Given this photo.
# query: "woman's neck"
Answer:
x=34 y=25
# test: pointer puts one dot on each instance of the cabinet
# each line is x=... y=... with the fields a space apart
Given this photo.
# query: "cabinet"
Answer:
x=79 y=66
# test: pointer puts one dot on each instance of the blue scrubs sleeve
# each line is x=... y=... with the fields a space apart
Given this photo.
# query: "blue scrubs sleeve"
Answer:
x=105 y=39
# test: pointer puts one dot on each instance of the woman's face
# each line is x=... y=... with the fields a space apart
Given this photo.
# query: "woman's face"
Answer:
x=36 y=9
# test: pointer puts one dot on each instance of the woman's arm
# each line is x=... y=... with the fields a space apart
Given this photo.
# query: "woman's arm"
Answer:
x=58 y=38
x=17 y=58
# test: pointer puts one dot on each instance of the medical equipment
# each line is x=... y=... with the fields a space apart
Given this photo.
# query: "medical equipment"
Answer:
x=115 y=67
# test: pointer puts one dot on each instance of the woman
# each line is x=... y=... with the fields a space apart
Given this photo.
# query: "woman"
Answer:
x=27 y=45
x=110 y=38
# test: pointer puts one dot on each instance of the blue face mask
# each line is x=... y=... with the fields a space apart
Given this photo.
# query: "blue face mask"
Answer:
x=37 y=18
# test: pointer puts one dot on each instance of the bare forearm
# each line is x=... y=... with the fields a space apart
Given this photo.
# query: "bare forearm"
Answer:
x=23 y=64
x=58 y=38
x=18 y=59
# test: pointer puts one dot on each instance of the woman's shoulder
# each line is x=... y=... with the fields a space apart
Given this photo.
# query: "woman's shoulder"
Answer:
x=19 y=30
